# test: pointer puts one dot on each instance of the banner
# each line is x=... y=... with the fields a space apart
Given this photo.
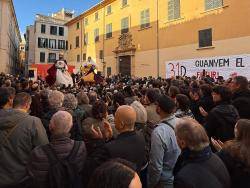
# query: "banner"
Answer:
x=43 y=68
x=226 y=66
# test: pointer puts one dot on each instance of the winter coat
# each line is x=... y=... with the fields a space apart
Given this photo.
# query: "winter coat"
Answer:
x=36 y=106
x=239 y=172
x=194 y=107
x=128 y=145
x=39 y=164
x=201 y=169
x=19 y=134
x=206 y=102
x=241 y=101
x=221 y=121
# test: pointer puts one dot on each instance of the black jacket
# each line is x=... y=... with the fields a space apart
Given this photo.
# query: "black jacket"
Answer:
x=128 y=145
x=239 y=172
x=201 y=169
x=194 y=107
x=241 y=101
x=241 y=93
x=206 y=102
x=221 y=121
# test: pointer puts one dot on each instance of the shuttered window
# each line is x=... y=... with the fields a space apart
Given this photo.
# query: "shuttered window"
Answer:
x=173 y=9
x=212 y=4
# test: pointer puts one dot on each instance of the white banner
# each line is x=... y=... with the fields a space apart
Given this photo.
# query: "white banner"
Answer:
x=226 y=66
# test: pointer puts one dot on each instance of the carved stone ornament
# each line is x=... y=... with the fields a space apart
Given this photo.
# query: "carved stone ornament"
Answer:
x=125 y=42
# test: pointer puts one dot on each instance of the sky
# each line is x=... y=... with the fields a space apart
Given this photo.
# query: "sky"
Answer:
x=27 y=9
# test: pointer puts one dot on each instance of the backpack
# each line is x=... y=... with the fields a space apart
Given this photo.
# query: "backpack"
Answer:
x=62 y=172
x=147 y=135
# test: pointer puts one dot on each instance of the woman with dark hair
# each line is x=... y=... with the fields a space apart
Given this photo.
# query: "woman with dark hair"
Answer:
x=194 y=96
x=114 y=174
x=206 y=100
x=98 y=121
x=173 y=91
x=220 y=121
x=100 y=110
x=183 y=107
x=236 y=154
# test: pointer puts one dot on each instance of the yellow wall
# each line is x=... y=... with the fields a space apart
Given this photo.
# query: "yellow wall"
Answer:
x=178 y=39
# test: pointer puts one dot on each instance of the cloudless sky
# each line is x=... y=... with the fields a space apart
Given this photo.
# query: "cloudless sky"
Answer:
x=27 y=9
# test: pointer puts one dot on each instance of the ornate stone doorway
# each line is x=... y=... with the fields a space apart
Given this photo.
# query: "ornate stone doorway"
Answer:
x=124 y=55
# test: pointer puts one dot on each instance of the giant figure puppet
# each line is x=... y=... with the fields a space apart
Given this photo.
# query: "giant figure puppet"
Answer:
x=58 y=74
x=89 y=71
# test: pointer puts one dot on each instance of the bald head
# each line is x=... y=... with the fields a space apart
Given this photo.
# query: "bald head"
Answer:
x=61 y=123
x=125 y=118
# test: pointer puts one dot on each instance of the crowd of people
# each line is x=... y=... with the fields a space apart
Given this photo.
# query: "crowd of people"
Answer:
x=125 y=133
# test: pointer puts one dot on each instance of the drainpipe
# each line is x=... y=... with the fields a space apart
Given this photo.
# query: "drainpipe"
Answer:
x=81 y=41
x=157 y=36
x=103 y=41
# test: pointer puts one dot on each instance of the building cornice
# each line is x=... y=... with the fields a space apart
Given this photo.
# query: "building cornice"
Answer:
x=90 y=11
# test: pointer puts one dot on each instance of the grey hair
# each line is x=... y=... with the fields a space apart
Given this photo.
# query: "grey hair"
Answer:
x=141 y=113
x=61 y=123
x=56 y=99
x=192 y=133
x=82 y=98
x=70 y=101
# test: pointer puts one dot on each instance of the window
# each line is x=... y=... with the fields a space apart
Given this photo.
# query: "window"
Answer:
x=212 y=4
x=96 y=16
x=124 y=25
x=84 y=57
x=70 y=46
x=145 y=19
x=108 y=31
x=42 y=57
x=78 y=59
x=96 y=35
x=173 y=9
x=52 y=57
x=77 y=42
x=42 y=43
x=53 y=30
x=108 y=71
x=61 y=31
x=205 y=38
x=77 y=25
x=43 y=28
x=101 y=54
x=109 y=9
x=61 y=44
x=52 y=43
x=124 y=3
x=86 y=38
x=86 y=21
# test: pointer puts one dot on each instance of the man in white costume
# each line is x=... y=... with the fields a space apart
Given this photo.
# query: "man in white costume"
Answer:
x=58 y=73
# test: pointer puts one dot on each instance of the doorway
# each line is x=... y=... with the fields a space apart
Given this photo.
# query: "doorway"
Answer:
x=125 y=65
